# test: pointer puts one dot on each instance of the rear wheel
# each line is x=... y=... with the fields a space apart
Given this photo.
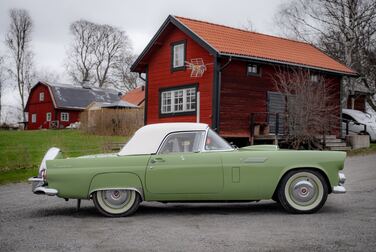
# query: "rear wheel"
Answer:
x=303 y=191
x=116 y=203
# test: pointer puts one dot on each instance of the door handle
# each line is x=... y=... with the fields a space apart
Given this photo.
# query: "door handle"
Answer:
x=155 y=160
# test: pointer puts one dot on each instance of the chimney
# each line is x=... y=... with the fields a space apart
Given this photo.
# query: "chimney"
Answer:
x=142 y=88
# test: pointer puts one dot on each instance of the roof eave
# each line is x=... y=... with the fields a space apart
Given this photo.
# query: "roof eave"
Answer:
x=354 y=74
x=183 y=28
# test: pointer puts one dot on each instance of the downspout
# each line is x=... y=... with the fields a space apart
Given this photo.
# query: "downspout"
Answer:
x=340 y=106
x=146 y=92
x=216 y=93
x=218 y=105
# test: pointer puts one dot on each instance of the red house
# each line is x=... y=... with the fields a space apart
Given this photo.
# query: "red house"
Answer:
x=237 y=74
x=57 y=106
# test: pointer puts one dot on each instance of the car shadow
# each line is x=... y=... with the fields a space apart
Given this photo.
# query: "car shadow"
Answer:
x=168 y=209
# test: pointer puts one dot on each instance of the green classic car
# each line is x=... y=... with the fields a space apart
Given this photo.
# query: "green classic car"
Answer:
x=189 y=162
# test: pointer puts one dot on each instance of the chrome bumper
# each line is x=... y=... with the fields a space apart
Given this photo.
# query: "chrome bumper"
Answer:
x=37 y=187
x=340 y=188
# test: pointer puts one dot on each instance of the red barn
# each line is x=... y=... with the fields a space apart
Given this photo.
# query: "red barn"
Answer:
x=57 y=106
x=237 y=74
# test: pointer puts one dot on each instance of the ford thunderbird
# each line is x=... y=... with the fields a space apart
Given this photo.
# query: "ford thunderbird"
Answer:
x=189 y=162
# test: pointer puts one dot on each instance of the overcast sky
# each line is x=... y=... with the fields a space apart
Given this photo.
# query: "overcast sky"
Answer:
x=140 y=19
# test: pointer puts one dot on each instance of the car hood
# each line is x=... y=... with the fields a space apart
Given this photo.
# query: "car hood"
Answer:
x=100 y=155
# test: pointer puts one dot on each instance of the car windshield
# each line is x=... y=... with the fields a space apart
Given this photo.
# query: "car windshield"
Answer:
x=215 y=142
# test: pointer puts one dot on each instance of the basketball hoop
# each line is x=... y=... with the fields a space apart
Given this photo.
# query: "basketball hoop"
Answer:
x=197 y=66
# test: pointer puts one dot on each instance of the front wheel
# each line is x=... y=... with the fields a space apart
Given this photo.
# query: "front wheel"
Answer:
x=303 y=191
x=116 y=203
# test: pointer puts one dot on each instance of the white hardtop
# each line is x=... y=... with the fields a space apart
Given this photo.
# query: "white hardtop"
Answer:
x=147 y=139
x=359 y=116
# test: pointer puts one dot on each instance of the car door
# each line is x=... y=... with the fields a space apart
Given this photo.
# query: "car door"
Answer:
x=180 y=167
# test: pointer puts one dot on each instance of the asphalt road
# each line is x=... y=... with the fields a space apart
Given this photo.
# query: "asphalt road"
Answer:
x=347 y=222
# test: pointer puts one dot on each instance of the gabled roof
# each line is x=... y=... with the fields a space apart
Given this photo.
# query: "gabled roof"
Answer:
x=227 y=41
x=135 y=96
x=67 y=96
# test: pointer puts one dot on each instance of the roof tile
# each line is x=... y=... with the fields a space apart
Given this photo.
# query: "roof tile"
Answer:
x=237 y=42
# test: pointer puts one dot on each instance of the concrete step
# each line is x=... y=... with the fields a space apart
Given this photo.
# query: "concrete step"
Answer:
x=327 y=137
x=337 y=148
x=330 y=140
x=341 y=144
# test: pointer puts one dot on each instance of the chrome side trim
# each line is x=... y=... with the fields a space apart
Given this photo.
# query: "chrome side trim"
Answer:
x=45 y=190
x=255 y=160
x=339 y=189
x=35 y=179
x=120 y=188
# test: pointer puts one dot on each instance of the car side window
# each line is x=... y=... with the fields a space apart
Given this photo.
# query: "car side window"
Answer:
x=348 y=117
x=215 y=142
x=182 y=142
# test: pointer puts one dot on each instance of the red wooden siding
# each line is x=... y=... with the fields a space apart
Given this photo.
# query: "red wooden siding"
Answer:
x=241 y=95
x=41 y=108
x=160 y=76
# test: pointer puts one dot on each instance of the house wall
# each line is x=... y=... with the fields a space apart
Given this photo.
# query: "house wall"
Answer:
x=41 y=108
x=242 y=95
x=161 y=76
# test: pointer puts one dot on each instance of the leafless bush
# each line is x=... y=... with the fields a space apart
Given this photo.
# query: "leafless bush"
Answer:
x=311 y=104
x=112 y=121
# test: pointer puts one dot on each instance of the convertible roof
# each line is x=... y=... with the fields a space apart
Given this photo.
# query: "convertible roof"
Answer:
x=147 y=139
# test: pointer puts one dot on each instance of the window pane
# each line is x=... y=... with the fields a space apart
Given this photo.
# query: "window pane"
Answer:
x=215 y=142
x=182 y=142
x=178 y=100
x=166 y=102
x=178 y=54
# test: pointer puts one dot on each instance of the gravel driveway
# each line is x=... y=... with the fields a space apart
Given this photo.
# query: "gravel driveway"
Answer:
x=41 y=223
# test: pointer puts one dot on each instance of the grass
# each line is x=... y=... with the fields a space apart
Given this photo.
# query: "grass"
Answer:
x=363 y=151
x=22 y=151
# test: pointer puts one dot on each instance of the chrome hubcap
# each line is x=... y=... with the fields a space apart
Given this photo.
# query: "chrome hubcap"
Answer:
x=116 y=198
x=303 y=191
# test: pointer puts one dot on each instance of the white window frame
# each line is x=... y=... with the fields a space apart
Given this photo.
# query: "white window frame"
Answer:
x=48 y=117
x=41 y=96
x=178 y=55
x=33 y=118
x=314 y=78
x=64 y=117
x=253 y=70
x=180 y=100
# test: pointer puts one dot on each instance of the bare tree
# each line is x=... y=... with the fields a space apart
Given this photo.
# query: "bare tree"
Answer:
x=249 y=26
x=345 y=29
x=2 y=80
x=80 y=61
x=18 y=42
x=48 y=75
x=97 y=53
x=310 y=105
x=126 y=79
x=108 y=51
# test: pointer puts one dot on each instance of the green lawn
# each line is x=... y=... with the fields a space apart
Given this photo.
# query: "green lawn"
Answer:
x=364 y=151
x=22 y=151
